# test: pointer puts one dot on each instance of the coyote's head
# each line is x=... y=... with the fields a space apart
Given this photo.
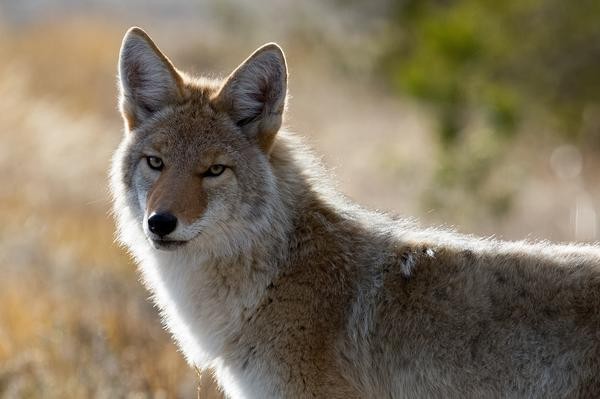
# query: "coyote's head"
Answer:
x=194 y=162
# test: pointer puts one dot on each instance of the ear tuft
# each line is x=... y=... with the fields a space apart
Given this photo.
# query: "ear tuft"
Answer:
x=148 y=80
x=254 y=94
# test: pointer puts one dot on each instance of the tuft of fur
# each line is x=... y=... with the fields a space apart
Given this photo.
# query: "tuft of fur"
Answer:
x=287 y=289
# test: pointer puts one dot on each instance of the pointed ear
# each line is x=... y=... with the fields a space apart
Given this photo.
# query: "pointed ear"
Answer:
x=148 y=81
x=254 y=94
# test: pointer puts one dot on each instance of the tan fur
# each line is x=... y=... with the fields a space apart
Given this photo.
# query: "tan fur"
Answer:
x=181 y=194
x=288 y=290
x=134 y=75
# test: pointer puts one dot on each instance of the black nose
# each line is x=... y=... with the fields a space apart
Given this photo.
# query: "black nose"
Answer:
x=162 y=223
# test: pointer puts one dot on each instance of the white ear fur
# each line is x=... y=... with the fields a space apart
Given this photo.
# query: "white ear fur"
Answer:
x=148 y=81
x=254 y=94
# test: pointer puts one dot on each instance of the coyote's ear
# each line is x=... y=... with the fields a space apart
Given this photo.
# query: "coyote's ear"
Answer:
x=254 y=94
x=147 y=79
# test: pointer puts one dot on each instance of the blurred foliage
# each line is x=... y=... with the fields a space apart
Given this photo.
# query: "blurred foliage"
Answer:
x=495 y=65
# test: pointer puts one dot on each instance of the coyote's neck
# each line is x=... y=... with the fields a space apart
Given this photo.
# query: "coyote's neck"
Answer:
x=207 y=290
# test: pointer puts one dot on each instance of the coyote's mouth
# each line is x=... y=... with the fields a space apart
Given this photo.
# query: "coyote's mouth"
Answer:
x=166 y=245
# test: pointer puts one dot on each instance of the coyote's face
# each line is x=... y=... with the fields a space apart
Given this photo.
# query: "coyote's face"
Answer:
x=194 y=161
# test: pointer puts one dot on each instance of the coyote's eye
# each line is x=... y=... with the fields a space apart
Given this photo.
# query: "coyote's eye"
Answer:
x=154 y=162
x=214 y=170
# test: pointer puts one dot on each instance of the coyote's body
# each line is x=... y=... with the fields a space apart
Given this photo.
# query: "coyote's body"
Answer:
x=287 y=290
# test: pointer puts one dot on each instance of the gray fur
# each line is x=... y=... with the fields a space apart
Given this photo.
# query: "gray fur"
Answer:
x=286 y=289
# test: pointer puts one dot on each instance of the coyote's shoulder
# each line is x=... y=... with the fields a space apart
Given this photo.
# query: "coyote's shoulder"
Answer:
x=287 y=289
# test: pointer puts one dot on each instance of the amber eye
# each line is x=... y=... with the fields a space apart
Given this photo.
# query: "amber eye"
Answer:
x=215 y=170
x=154 y=162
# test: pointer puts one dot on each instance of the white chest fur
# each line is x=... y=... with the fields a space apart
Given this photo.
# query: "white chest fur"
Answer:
x=203 y=307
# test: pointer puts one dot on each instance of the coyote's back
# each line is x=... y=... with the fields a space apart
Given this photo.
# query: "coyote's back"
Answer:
x=266 y=274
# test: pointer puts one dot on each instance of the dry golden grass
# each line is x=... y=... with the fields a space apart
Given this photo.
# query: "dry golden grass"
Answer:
x=74 y=321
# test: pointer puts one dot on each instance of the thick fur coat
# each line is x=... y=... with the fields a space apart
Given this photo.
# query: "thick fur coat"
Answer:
x=288 y=290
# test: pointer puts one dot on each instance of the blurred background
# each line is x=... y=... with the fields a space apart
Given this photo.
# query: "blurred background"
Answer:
x=479 y=115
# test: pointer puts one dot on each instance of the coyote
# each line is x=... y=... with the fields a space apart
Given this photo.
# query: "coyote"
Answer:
x=265 y=274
